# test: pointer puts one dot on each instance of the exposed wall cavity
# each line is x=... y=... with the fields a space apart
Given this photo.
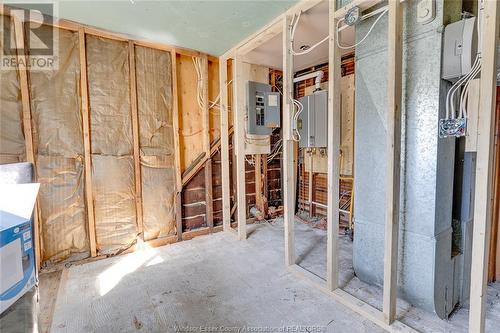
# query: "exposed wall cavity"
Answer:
x=111 y=144
x=11 y=134
x=156 y=141
x=425 y=261
x=58 y=144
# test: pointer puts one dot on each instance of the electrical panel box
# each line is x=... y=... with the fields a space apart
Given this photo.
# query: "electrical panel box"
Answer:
x=263 y=108
x=460 y=48
x=312 y=122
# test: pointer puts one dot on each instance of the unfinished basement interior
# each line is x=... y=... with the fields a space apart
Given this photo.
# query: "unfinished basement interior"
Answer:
x=250 y=166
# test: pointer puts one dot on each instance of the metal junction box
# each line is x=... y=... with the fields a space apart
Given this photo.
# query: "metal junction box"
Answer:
x=263 y=108
x=313 y=120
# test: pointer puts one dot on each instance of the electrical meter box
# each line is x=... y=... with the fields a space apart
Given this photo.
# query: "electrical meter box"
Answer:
x=312 y=122
x=459 y=48
x=263 y=108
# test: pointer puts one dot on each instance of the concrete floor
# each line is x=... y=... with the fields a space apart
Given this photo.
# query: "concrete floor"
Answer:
x=214 y=281
x=210 y=281
x=311 y=248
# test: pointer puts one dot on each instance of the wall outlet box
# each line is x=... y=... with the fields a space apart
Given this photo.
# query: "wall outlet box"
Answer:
x=452 y=127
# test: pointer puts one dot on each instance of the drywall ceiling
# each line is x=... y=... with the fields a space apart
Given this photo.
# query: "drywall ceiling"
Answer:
x=209 y=26
x=312 y=27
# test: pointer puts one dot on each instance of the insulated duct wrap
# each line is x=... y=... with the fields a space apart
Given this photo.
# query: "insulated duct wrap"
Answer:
x=156 y=139
x=112 y=148
x=11 y=134
x=58 y=144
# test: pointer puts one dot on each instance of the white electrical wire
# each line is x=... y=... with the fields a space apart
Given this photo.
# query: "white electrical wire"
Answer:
x=199 y=73
x=197 y=62
x=294 y=27
x=310 y=48
x=346 y=47
x=465 y=92
x=296 y=134
x=300 y=108
x=450 y=95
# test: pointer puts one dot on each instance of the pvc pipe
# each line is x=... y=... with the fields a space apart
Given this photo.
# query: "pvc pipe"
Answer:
x=318 y=75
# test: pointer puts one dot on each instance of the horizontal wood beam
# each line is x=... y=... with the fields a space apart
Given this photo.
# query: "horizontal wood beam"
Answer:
x=364 y=309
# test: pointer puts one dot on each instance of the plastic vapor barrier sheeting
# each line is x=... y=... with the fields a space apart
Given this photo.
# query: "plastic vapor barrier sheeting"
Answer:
x=112 y=148
x=12 y=148
x=154 y=96
x=58 y=143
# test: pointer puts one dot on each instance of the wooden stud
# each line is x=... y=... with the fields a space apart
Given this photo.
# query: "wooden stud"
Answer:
x=135 y=134
x=206 y=110
x=239 y=135
x=311 y=191
x=334 y=111
x=209 y=195
x=484 y=167
x=310 y=185
x=224 y=142
x=265 y=186
x=393 y=158
x=259 y=202
x=234 y=179
x=178 y=215
x=288 y=146
x=494 y=264
x=206 y=145
x=89 y=192
x=175 y=121
x=27 y=129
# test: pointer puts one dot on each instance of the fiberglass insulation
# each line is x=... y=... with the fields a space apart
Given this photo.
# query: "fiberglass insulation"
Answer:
x=111 y=144
x=154 y=96
x=11 y=133
x=58 y=143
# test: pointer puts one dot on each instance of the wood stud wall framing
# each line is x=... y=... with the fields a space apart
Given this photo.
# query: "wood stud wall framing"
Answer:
x=82 y=30
x=386 y=318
